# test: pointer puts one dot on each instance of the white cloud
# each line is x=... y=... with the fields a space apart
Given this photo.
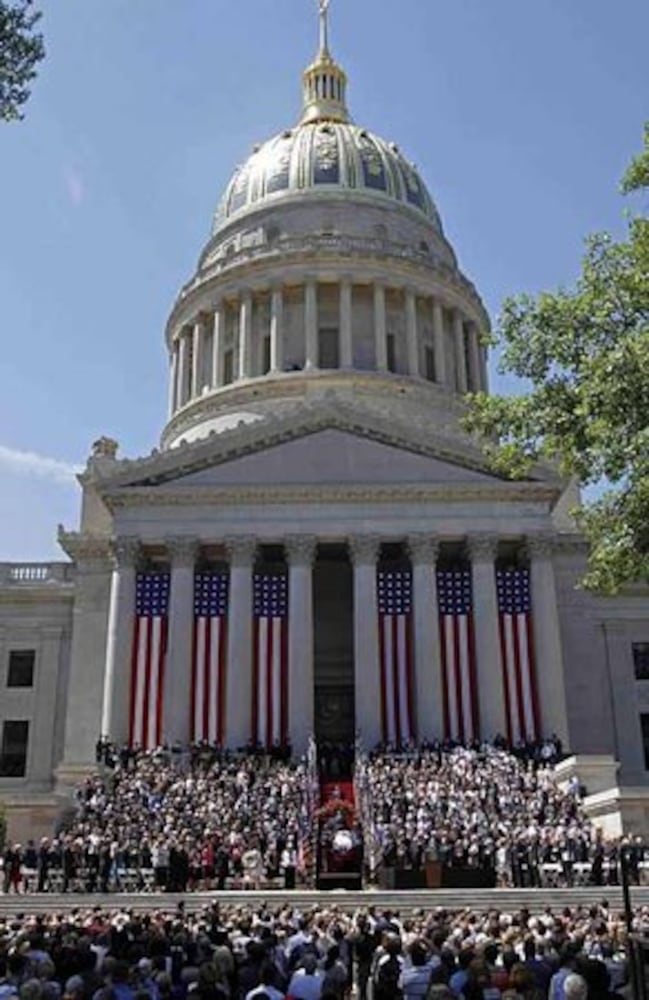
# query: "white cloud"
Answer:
x=30 y=464
x=74 y=185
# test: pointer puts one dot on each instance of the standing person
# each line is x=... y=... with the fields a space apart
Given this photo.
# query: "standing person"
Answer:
x=306 y=982
x=388 y=970
x=43 y=865
x=417 y=972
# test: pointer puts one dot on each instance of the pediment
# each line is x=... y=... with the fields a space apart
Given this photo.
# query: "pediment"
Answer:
x=331 y=457
x=331 y=443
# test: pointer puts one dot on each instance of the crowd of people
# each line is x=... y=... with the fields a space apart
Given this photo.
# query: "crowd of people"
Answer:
x=484 y=807
x=186 y=818
x=247 y=952
x=175 y=821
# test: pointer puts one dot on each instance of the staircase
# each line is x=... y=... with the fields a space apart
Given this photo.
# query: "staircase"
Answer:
x=403 y=901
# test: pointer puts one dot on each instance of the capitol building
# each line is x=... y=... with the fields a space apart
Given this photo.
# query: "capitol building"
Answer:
x=317 y=547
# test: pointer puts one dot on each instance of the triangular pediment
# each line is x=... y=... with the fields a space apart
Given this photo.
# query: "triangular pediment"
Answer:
x=330 y=457
x=328 y=443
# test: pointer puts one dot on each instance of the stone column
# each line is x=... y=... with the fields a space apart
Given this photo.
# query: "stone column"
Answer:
x=177 y=684
x=238 y=728
x=460 y=357
x=547 y=639
x=491 y=695
x=380 y=328
x=475 y=367
x=311 y=324
x=245 y=335
x=411 y=332
x=346 y=345
x=119 y=640
x=183 y=364
x=424 y=550
x=439 y=342
x=276 y=330
x=300 y=551
x=364 y=551
x=197 y=357
x=218 y=344
x=173 y=377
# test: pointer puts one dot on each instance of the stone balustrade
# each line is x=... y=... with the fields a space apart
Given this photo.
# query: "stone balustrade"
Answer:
x=35 y=574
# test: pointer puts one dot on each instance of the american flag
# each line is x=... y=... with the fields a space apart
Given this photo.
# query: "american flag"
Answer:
x=454 y=597
x=270 y=658
x=394 y=593
x=209 y=656
x=148 y=660
x=517 y=653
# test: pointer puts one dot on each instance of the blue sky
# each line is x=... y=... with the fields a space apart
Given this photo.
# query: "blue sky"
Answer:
x=520 y=115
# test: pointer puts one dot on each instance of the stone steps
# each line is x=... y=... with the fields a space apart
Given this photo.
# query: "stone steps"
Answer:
x=403 y=900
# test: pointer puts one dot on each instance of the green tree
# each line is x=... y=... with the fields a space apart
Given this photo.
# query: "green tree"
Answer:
x=585 y=355
x=21 y=49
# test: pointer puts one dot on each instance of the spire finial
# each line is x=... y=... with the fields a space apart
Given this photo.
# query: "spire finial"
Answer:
x=324 y=26
x=324 y=81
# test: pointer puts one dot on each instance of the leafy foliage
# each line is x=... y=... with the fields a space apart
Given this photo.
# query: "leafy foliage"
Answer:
x=585 y=355
x=21 y=49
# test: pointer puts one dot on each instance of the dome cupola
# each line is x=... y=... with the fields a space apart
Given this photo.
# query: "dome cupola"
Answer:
x=327 y=271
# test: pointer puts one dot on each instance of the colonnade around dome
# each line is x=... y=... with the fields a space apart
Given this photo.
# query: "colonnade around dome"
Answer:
x=326 y=325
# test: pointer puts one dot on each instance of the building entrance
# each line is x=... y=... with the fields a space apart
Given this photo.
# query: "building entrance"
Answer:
x=334 y=716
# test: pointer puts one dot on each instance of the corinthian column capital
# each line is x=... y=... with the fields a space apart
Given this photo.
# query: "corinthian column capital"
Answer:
x=125 y=550
x=182 y=550
x=423 y=549
x=364 y=549
x=300 y=549
x=540 y=546
x=482 y=547
x=241 y=549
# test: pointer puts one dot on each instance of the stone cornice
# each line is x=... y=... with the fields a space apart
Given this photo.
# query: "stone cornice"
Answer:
x=85 y=548
x=146 y=496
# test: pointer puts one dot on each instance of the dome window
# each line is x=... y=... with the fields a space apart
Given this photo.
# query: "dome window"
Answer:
x=423 y=246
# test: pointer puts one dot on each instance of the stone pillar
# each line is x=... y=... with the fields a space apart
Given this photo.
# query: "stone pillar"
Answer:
x=484 y=373
x=460 y=357
x=245 y=335
x=491 y=695
x=183 y=365
x=439 y=342
x=197 y=357
x=173 y=378
x=380 y=328
x=218 y=344
x=119 y=640
x=364 y=551
x=411 y=332
x=238 y=728
x=43 y=729
x=475 y=367
x=300 y=551
x=346 y=345
x=547 y=639
x=177 y=684
x=311 y=324
x=276 y=330
x=424 y=550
